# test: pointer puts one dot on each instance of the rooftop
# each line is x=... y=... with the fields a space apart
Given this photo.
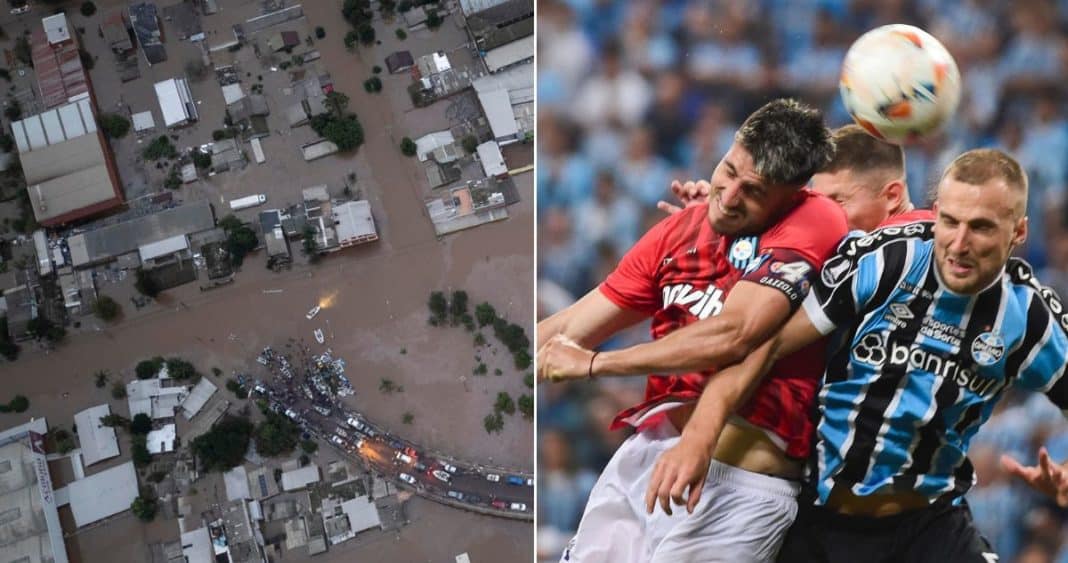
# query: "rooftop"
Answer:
x=300 y=478
x=109 y=242
x=162 y=440
x=58 y=66
x=98 y=442
x=29 y=523
x=150 y=397
x=510 y=54
x=354 y=222
x=103 y=494
x=198 y=397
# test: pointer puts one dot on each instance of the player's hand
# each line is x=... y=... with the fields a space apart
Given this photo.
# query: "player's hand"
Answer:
x=1046 y=477
x=690 y=193
x=562 y=359
x=684 y=466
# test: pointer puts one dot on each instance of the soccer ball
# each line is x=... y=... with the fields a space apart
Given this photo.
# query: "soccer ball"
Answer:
x=899 y=83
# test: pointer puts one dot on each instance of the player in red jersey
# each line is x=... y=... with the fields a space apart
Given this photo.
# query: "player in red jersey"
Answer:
x=752 y=243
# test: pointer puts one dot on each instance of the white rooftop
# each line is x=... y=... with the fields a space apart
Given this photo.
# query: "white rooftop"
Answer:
x=196 y=546
x=362 y=514
x=197 y=398
x=104 y=494
x=300 y=478
x=98 y=442
x=161 y=441
x=175 y=100
x=498 y=109
x=510 y=53
x=164 y=247
x=354 y=220
x=492 y=159
x=431 y=142
x=232 y=93
x=149 y=396
x=54 y=126
x=143 y=121
x=236 y=481
x=56 y=28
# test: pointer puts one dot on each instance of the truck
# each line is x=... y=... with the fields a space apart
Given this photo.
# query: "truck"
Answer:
x=318 y=149
x=257 y=151
x=246 y=202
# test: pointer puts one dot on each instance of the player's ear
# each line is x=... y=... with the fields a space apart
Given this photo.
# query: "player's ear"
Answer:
x=895 y=193
x=1019 y=235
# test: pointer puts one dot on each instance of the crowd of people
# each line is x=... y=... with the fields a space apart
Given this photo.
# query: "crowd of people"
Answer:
x=634 y=94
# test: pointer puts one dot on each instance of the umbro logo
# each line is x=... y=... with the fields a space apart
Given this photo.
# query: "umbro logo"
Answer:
x=901 y=311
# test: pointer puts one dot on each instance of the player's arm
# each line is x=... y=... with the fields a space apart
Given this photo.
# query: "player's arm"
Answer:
x=685 y=465
x=564 y=339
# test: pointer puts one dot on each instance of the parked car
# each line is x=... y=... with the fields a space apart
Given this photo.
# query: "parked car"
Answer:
x=20 y=9
x=519 y=507
x=456 y=495
x=447 y=467
x=337 y=441
x=441 y=475
x=493 y=477
x=407 y=478
x=411 y=451
x=356 y=423
x=516 y=480
x=402 y=457
x=395 y=444
x=420 y=466
x=341 y=432
x=499 y=504
x=358 y=444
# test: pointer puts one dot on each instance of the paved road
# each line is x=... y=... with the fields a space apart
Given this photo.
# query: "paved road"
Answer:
x=296 y=389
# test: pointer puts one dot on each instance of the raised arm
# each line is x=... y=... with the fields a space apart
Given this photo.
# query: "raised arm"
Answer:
x=685 y=465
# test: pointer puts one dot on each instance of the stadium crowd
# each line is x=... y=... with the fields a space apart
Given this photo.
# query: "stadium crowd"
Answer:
x=633 y=94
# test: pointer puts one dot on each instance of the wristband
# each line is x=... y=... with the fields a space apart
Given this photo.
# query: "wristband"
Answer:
x=589 y=374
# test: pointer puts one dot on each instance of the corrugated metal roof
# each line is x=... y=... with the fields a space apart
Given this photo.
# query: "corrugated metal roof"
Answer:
x=163 y=247
x=98 y=441
x=512 y=53
x=498 y=110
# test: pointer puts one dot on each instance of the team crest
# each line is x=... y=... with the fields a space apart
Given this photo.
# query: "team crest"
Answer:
x=987 y=349
x=743 y=251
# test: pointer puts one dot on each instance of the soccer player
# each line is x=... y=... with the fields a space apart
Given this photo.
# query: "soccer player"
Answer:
x=934 y=322
x=866 y=177
x=752 y=242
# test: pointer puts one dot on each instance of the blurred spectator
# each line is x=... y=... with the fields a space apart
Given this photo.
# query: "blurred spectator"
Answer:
x=633 y=94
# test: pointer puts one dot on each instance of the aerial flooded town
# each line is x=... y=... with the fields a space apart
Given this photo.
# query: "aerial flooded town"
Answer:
x=266 y=279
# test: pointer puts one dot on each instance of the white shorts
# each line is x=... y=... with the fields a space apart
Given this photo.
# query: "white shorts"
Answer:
x=742 y=517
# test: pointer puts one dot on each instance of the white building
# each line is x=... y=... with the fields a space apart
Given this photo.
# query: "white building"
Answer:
x=98 y=441
x=176 y=102
x=103 y=494
x=300 y=478
x=149 y=396
x=354 y=223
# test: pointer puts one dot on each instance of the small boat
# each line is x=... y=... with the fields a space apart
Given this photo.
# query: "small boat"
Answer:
x=311 y=314
x=319 y=336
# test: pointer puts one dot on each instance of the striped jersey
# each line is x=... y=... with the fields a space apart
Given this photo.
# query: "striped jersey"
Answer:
x=914 y=369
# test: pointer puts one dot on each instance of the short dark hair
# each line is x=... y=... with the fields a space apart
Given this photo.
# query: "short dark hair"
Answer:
x=857 y=150
x=788 y=140
x=979 y=166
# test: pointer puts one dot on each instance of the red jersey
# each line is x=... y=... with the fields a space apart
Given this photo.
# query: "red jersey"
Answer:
x=682 y=270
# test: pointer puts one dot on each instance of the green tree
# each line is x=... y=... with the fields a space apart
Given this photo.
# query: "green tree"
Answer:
x=114 y=420
x=356 y=12
x=141 y=424
x=346 y=133
x=458 y=304
x=106 y=308
x=8 y=349
x=433 y=19
x=114 y=126
x=145 y=284
x=181 y=370
x=366 y=33
x=493 y=423
x=100 y=378
x=19 y=404
x=22 y=50
x=139 y=451
x=470 y=144
x=522 y=360
x=144 y=508
x=401 y=34
x=408 y=418
x=118 y=390
x=438 y=305
x=485 y=314
x=201 y=159
x=275 y=436
x=160 y=147
x=88 y=9
x=526 y=406
x=350 y=39
x=387 y=386
x=338 y=103
x=320 y=33
x=224 y=446
x=41 y=327
x=147 y=369
x=309 y=446
x=407 y=146
x=504 y=403
x=528 y=380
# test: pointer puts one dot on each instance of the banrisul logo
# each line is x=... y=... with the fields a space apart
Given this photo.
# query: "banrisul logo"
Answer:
x=987 y=349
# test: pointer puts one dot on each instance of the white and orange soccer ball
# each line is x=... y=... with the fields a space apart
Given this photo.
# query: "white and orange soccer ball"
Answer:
x=900 y=83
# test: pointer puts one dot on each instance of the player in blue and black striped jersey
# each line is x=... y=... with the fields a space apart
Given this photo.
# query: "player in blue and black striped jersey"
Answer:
x=932 y=322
